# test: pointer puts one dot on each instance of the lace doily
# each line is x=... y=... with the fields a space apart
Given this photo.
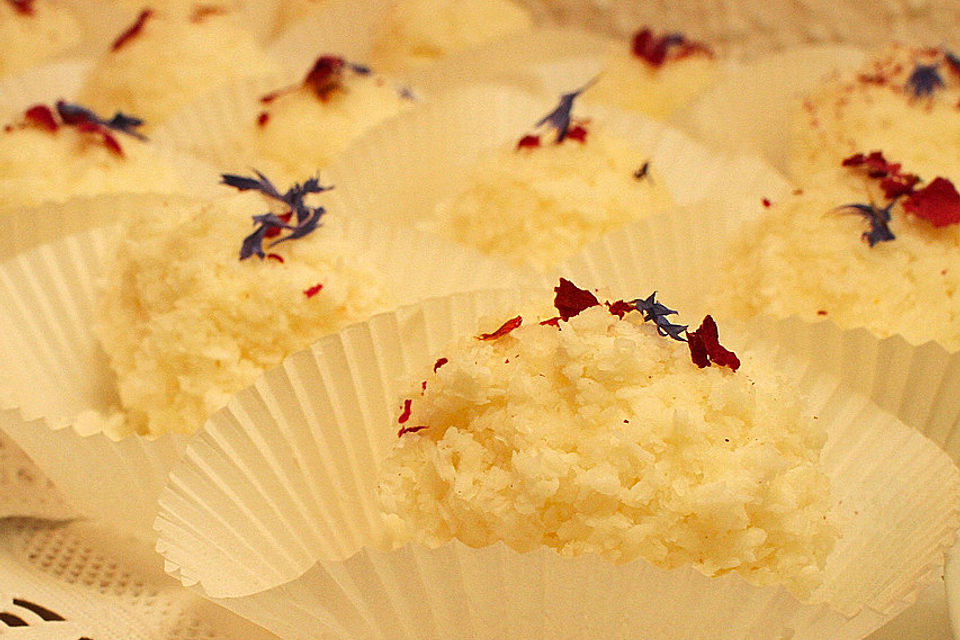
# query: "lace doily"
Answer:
x=77 y=581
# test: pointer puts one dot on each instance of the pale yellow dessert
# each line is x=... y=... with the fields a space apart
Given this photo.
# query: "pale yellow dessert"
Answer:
x=164 y=60
x=417 y=32
x=302 y=129
x=186 y=323
x=807 y=256
x=599 y=436
x=903 y=101
x=33 y=32
x=536 y=206
x=636 y=78
x=39 y=165
x=292 y=11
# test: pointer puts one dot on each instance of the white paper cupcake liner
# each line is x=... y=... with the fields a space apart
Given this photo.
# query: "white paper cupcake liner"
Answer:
x=212 y=127
x=750 y=110
x=53 y=369
x=272 y=512
x=434 y=147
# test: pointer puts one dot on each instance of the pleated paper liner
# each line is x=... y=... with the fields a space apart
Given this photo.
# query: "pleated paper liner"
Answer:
x=214 y=126
x=53 y=369
x=750 y=110
x=272 y=511
x=680 y=256
x=951 y=577
x=403 y=167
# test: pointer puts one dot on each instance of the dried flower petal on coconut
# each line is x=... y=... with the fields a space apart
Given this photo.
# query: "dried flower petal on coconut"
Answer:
x=604 y=438
x=560 y=121
x=803 y=258
x=938 y=202
x=271 y=224
x=84 y=120
x=540 y=198
x=185 y=324
x=656 y=73
x=902 y=100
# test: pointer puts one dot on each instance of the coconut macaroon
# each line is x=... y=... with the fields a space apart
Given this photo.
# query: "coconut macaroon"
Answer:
x=301 y=129
x=165 y=59
x=902 y=101
x=591 y=433
x=883 y=256
x=33 y=32
x=54 y=153
x=185 y=323
x=540 y=199
x=414 y=33
x=655 y=74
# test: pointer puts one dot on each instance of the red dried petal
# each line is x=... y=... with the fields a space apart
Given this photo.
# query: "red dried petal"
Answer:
x=571 y=299
x=404 y=430
x=262 y=119
x=766 y=203
x=203 y=11
x=405 y=414
x=504 y=329
x=648 y=48
x=325 y=76
x=620 y=308
x=23 y=7
x=132 y=31
x=577 y=133
x=876 y=165
x=553 y=322
x=314 y=290
x=439 y=363
x=111 y=144
x=698 y=350
x=705 y=347
x=273 y=232
x=899 y=185
x=273 y=95
x=938 y=203
x=41 y=116
x=274 y=256
x=528 y=142
x=654 y=50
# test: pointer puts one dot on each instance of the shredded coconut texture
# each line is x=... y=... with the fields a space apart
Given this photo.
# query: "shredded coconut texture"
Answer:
x=537 y=207
x=415 y=33
x=806 y=258
x=873 y=110
x=604 y=438
x=185 y=323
